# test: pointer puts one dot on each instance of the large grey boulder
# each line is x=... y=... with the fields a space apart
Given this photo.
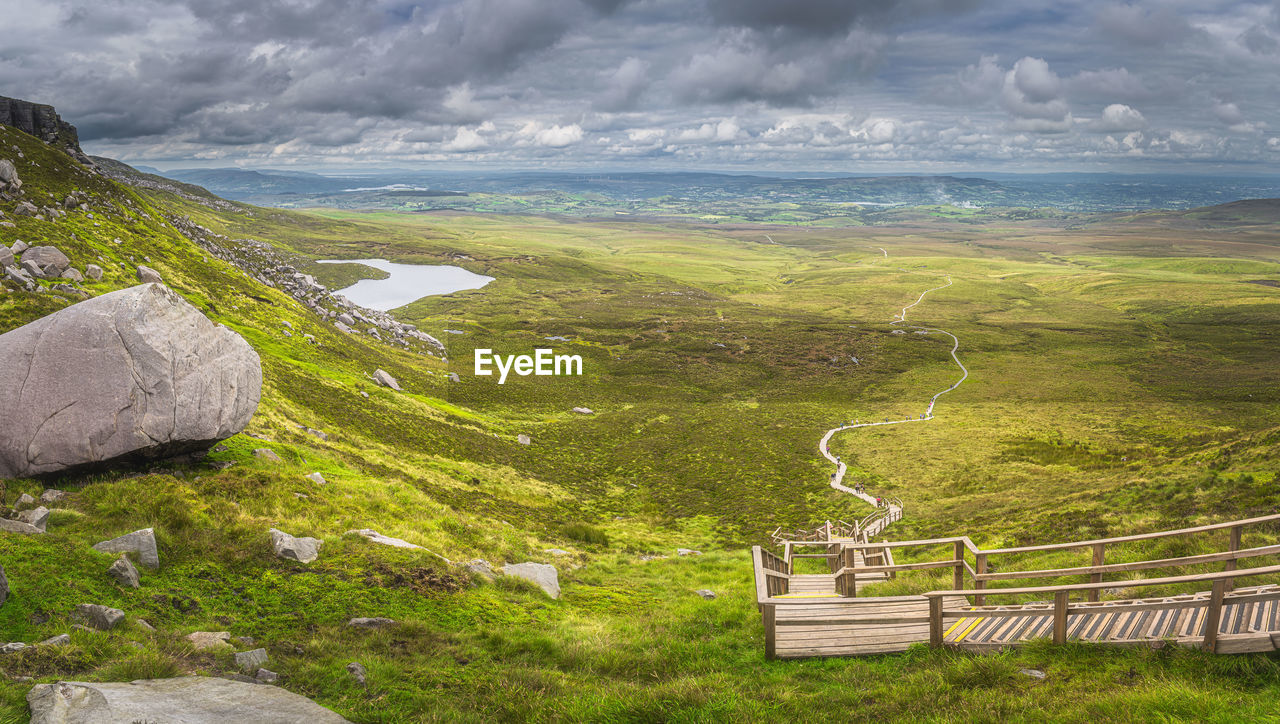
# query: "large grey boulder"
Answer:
x=17 y=526
x=250 y=661
x=184 y=700
x=147 y=275
x=100 y=617
x=302 y=550
x=137 y=373
x=6 y=256
x=543 y=574
x=142 y=542
x=36 y=517
x=386 y=380
x=8 y=173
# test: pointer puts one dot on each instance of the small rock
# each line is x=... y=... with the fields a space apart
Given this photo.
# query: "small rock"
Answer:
x=303 y=550
x=36 y=517
x=59 y=640
x=1033 y=673
x=142 y=624
x=317 y=478
x=52 y=495
x=124 y=573
x=361 y=676
x=12 y=648
x=142 y=542
x=381 y=377
x=17 y=526
x=102 y=618
x=524 y=439
x=245 y=640
x=267 y=454
x=376 y=537
x=201 y=640
x=557 y=552
x=376 y=622
x=147 y=275
x=73 y=274
x=706 y=594
x=543 y=574
x=251 y=661
x=480 y=567
x=24 y=501
x=94 y=272
x=584 y=411
x=453 y=377
x=687 y=552
x=19 y=246
x=267 y=677
x=318 y=433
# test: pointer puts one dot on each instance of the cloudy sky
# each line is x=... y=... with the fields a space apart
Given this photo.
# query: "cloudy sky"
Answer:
x=839 y=85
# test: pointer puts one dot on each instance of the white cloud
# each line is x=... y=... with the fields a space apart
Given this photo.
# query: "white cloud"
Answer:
x=467 y=139
x=1118 y=117
x=558 y=136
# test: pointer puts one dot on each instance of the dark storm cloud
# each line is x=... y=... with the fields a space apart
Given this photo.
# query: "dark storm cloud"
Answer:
x=677 y=82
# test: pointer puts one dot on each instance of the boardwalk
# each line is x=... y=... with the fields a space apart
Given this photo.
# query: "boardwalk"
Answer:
x=830 y=614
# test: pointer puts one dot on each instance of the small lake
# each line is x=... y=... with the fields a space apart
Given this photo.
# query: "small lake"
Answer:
x=407 y=283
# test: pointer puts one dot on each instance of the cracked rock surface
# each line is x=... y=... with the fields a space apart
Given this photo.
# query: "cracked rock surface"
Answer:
x=137 y=373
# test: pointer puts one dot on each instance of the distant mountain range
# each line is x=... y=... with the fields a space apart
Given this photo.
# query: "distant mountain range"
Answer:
x=1066 y=192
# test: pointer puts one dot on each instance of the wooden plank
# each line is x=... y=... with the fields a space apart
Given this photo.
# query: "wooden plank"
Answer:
x=1099 y=559
x=1166 y=581
x=1138 y=537
x=1097 y=569
x=1213 y=615
x=1233 y=544
x=770 y=633
x=1060 y=617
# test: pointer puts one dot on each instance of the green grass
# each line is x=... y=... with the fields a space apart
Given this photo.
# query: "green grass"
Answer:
x=1123 y=380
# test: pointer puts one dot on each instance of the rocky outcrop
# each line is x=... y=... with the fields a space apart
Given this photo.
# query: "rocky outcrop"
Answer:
x=43 y=122
x=187 y=699
x=543 y=574
x=142 y=542
x=137 y=373
x=302 y=550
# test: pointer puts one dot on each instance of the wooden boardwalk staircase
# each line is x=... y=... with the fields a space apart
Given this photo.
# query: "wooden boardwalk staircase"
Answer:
x=824 y=614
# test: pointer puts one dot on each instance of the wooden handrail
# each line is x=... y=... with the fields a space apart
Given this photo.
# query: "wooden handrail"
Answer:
x=1131 y=538
x=1166 y=581
x=1230 y=556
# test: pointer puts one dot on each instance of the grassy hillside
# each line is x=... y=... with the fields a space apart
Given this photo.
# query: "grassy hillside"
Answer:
x=1124 y=379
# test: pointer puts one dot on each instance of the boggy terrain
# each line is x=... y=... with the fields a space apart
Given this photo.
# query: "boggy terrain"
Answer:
x=1123 y=379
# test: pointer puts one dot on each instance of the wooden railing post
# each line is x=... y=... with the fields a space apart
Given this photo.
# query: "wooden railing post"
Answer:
x=1099 y=557
x=935 y=621
x=770 y=632
x=980 y=560
x=957 y=578
x=1213 y=616
x=1233 y=545
x=1060 y=600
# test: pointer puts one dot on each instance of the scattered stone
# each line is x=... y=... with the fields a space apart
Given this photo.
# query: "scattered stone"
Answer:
x=94 y=272
x=267 y=677
x=706 y=593
x=376 y=537
x=347 y=319
x=376 y=622
x=17 y=526
x=687 y=552
x=652 y=557
x=73 y=274
x=82 y=628
x=36 y=517
x=9 y=174
x=386 y=380
x=137 y=373
x=543 y=574
x=103 y=618
x=251 y=661
x=147 y=275
x=6 y=257
x=189 y=699
x=49 y=259
x=317 y=478
x=453 y=377
x=245 y=640
x=142 y=624
x=25 y=208
x=52 y=496
x=1033 y=673
x=584 y=410
x=59 y=640
x=524 y=439
x=318 y=433
x=557 y=552
x=19 y=246
x=267 y=454
x=24 y=501
x=302 y=550
x=124 y=573
x=480 y=567
x=357 y=671
x=12 y=648
x=142 y=542
x=202 y=640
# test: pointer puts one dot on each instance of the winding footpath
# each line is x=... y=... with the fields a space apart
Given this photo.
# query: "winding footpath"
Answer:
x=824 y=446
